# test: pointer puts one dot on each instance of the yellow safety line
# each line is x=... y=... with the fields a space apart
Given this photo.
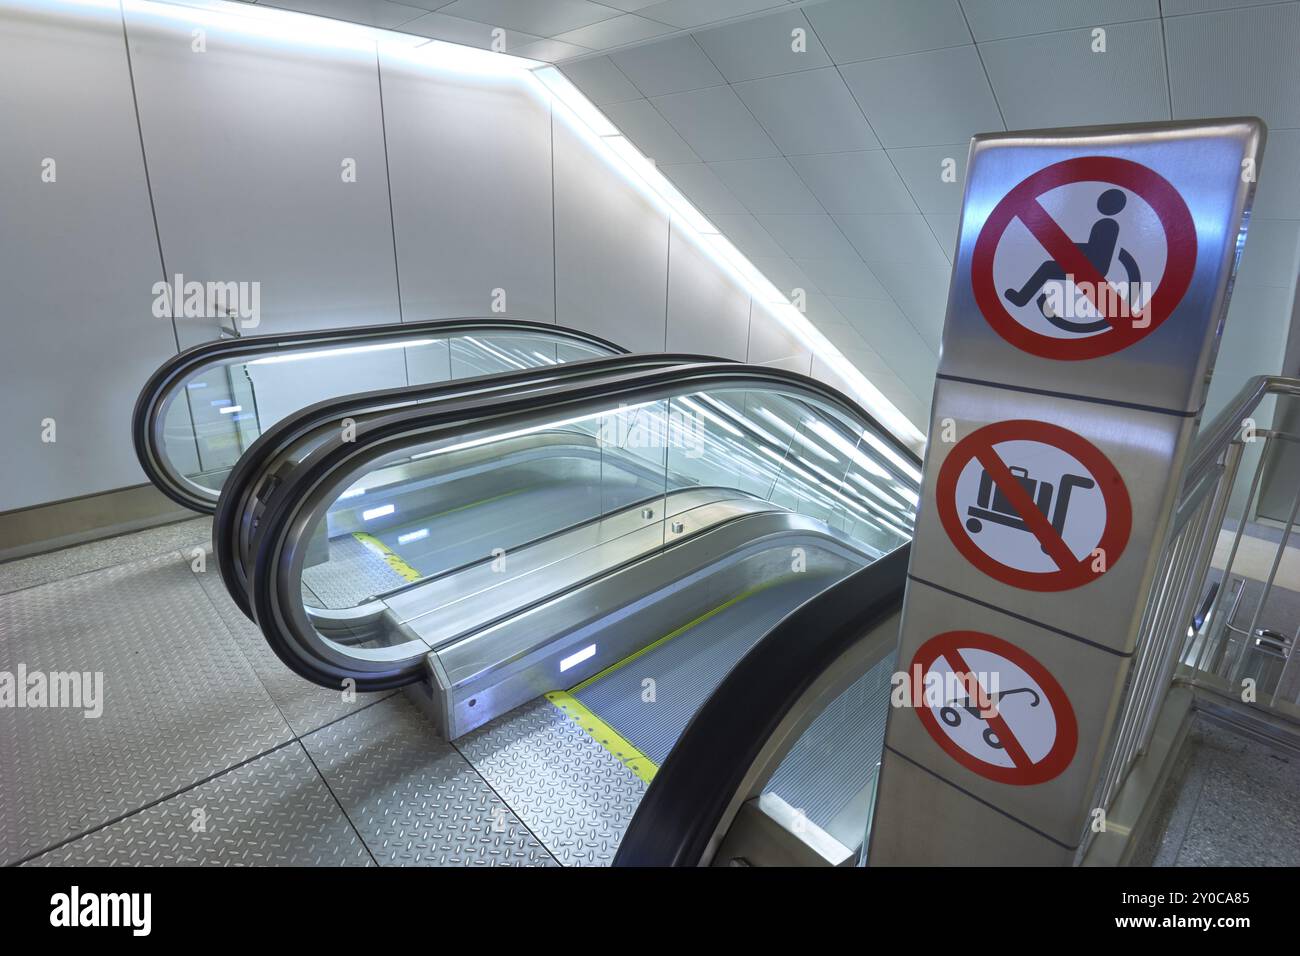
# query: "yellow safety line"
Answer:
x=603 y=733
x=390 y=556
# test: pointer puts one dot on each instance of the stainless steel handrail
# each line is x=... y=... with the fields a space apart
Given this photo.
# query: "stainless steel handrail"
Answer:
x=1171 y=648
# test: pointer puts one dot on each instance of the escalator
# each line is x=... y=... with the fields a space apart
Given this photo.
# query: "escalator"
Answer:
x=201 y=410
x=618 y=540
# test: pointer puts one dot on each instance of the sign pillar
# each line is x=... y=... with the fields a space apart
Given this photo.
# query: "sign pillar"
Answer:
x=1091 y=278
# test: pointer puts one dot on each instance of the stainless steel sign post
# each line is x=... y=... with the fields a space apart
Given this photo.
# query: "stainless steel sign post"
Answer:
x=1091 y=279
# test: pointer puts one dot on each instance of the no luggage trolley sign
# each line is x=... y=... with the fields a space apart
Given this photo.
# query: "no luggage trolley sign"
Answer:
x=995 y=709
x=1033 y=505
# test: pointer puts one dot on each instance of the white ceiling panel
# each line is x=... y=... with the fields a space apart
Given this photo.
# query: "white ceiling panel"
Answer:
x=945 y=228
x=616 y=31
x=891 y=336
x=1237 y=62
x=771 y=344
x=1173 y=8
x=438 y=26
x=1125 y=84
x=376 y=13
x=860 y=182
x=925 y=99
x=1272 y=253
x=1278 y=192
x=628 y=6
x=674 y=65
x=550 y=50
x=749 y=237
x=695 y=13
x=808 y=237
x=860 y=29
x=540 y=19
x=894 y=238
x=844 y=277
x=924 y=169
x=601 y=81
x=704 y=189
x=651 y=133
x=716 y=124
x=767 y=186
x=762 y=47
x=922 y=294
x=786 y=275
x=808 y=112
x=998 y=19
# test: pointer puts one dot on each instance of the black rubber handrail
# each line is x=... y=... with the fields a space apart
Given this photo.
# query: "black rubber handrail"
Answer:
x=161 y=382
x=686 y=802
x=389 y=432
x=281 y=436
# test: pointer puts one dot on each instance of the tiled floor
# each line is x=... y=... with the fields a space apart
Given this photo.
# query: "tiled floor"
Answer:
x=209 y=751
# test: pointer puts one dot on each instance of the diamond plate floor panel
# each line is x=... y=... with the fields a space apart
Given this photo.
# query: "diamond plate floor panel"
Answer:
x=272 y=811
x=304 y=705
x=414 y=799
x=181 y=702
x=575 y=795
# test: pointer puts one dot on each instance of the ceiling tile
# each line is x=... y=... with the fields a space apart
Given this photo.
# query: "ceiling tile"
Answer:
x=541 y=19
x=704 y=189
x=1173 y=8
x=925 y=99
x=808 y=112
x=616 y=31
x=922 y=294
x=642 y=124
x=878 y=372
x=998 y=19
x=846 y=277
x=762 y=47
x=859 y=29
x=1272 y=253
x=550 y=51
x=1249 y=46
x=785 y=274
x=716 y=124
x=1126 y=84
x=894 y=238
x=924 y=170
x=668 y=66
x=767 y=186
x=438 y=26
x=748 y=236
x=860 y=182
x=891 y=335
x=601 y=81
x=696 y=13
x=944 y=228
x=628 y=6
x=808 y=237
x=1278 y=193
x=375 y=13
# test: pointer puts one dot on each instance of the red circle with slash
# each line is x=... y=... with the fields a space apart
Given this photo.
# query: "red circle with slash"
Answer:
x=1072 y=571
x=1022 y=203
x=1022 y=738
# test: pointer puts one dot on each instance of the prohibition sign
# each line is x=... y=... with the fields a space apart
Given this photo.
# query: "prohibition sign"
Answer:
x=1127 y=326
x=1033 y=505
x=1022 y=732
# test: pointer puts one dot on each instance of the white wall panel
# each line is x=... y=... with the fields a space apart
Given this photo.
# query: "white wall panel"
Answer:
x=708 y=313
x=79 y=254
x=771 y=344
x=246 y=144
x=470 y=166
x=611 y=248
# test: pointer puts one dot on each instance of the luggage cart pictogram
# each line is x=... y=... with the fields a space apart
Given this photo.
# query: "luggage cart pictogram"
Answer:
x=992 y=505
x=952 y=717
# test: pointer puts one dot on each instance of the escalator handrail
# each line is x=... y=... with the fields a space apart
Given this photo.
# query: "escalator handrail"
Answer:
x=685 y=805
x=308 y=485
x=278 y=440
x=146 y=420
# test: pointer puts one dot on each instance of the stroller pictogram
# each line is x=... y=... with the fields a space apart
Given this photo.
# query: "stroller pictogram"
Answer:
x=951 y=716
x=992 y=505
x=1100 y=250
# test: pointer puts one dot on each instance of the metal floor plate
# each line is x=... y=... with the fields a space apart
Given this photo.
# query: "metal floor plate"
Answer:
x=571 y=792
x=413 y=797
x=272 y=811
x=180 y=702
